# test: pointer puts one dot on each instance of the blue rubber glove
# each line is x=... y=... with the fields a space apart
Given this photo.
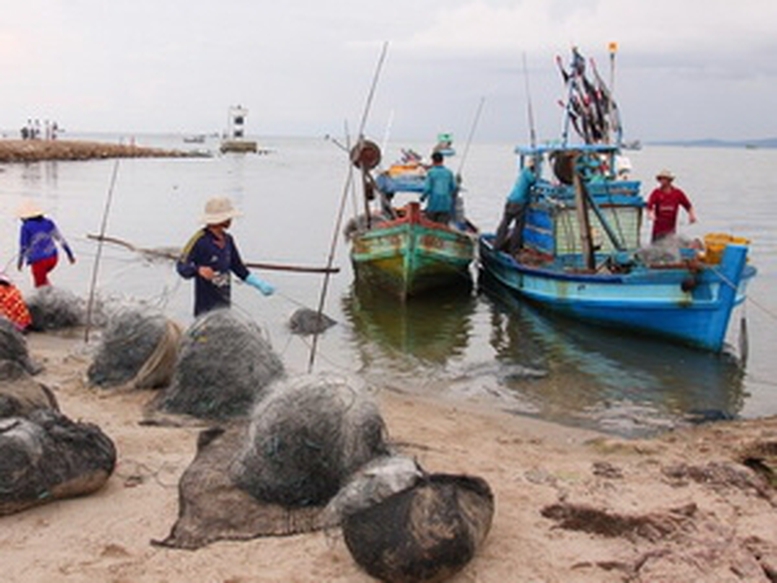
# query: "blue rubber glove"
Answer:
x=264 y=287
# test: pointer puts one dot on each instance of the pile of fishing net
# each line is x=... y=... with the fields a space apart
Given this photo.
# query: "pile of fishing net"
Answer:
x=13 y=347
x=305 y=321
x=224 y=366
x=45 y=456
x=139 y=347
x=275 y=474
x=54 y=308
x=307 y=437
x=667 y=250
x=314 y=455
x=20 y=393
x=403 y=524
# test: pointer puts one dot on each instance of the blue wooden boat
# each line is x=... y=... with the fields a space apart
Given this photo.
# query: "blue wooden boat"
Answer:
x=581 y=252
x=409 y=172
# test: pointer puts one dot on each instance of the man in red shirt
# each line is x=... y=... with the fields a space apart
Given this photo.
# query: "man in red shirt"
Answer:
x=663 y=205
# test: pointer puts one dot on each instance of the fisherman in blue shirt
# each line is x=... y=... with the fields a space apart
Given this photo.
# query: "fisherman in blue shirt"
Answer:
x=211 y=254
x=440 y=188
x=515 y=211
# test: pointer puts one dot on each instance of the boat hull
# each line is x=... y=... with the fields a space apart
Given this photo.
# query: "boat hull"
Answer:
x=412 y=255
x=692 y=307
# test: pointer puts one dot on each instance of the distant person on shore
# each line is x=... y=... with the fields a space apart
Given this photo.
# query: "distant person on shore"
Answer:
x=663 y=205
x=440 y=190
x=38 y=240
x=515 y=211
x=211 y=254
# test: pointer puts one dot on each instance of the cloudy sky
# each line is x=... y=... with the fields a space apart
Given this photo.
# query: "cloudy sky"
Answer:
x=684 y=69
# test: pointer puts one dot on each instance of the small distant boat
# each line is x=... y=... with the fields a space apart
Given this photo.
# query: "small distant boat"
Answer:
x=194 y=139
x=632 y=145
x=409 y=172
x=399 y=249
x=678 y=292
x=406 y=175
x=445 y=145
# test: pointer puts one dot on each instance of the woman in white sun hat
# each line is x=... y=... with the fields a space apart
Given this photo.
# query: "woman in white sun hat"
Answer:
x=211 y=254
x=38 y=240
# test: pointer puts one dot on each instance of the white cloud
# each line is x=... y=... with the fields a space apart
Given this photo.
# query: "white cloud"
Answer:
x=660 y=26
x=304 y=65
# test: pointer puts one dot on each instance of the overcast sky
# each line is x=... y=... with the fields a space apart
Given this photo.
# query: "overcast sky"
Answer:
x=685 y=68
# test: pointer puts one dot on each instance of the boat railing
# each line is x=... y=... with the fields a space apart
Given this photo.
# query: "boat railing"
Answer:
x=624 y=192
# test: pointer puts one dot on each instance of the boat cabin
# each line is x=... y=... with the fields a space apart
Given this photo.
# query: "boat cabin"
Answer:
x=613 y=203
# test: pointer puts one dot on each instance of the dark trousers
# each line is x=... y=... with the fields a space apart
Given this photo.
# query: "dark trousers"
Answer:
x=507 y=240
x=439 y=216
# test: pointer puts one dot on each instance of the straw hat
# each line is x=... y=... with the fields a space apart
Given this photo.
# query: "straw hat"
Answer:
x=28 y=209
x=665 y=174
x=218 y=210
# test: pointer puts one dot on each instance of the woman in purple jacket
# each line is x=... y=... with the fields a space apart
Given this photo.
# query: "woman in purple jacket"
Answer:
x=38 y=241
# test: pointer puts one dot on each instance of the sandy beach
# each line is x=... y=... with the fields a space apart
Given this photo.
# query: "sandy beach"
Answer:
x=571 y=505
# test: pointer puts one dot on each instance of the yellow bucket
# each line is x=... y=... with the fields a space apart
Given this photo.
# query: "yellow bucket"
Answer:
x=715 y=244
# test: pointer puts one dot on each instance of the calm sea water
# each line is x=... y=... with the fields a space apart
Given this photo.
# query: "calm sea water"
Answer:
x=484 y=347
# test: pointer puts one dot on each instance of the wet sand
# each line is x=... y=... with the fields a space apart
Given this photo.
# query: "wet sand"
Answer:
x=571 y=505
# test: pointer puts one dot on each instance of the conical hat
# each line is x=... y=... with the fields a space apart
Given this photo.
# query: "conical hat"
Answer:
x=28 y=209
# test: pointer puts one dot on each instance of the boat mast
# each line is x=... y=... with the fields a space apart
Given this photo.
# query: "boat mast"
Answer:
x=614 y=126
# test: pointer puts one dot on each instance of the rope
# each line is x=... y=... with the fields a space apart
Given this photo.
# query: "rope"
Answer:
x=763 y=308
x=756 y=303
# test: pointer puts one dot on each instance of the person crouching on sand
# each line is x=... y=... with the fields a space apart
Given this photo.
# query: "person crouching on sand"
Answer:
x=38 y=241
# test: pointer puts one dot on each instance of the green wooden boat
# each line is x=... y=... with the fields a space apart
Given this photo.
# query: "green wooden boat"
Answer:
x=409 y=255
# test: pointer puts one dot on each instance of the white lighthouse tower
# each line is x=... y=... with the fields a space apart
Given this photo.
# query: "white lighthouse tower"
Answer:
x=235 y=138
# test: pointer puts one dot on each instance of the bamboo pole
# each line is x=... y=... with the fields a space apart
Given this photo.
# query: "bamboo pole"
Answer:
x=174 y=257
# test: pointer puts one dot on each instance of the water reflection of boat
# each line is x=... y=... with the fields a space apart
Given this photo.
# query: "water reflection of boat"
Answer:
x=431 y=329
x=599 y=378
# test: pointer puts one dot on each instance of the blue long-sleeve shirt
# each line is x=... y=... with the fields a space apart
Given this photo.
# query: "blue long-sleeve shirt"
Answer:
x=439 y=188
x=520 y=192
x=38 y=240
x=202 y=250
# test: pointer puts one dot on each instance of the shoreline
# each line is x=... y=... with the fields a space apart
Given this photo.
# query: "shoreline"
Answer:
x=571 y=504
x=14 y=150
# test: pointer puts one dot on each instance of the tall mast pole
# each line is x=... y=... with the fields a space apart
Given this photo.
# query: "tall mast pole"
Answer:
x=612 y=47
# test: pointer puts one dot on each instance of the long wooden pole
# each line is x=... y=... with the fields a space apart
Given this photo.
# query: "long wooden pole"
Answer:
x=529 y=109
x=471 y=134
x=174 y=257
x=96 y=265
x=346 y=188
x=584 y=224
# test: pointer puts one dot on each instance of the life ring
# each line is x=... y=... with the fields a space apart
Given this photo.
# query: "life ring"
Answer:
x=365 y=155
